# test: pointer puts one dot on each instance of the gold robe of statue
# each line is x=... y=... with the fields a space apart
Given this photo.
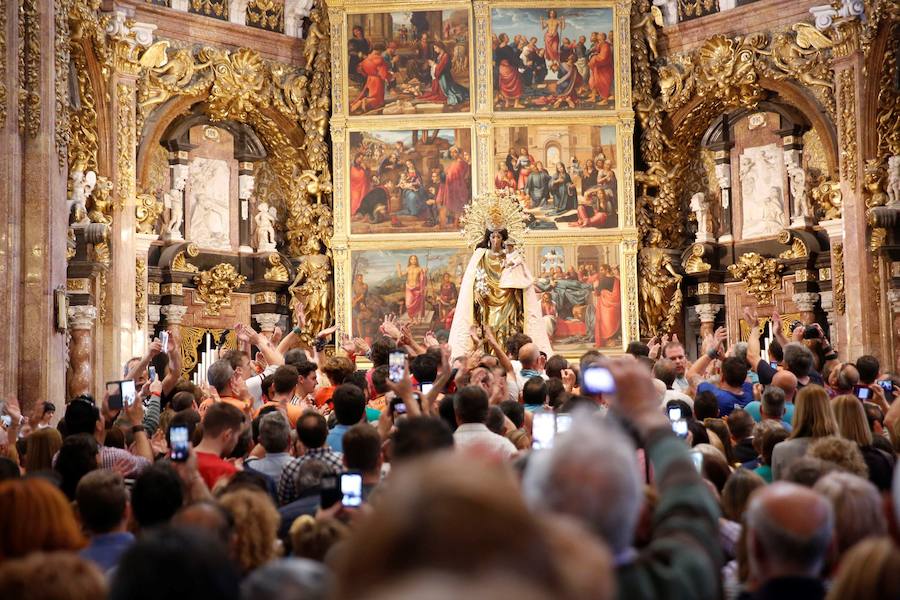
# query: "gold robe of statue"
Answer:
x=499 y=308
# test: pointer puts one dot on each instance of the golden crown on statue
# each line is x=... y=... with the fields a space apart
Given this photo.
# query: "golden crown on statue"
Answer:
x=496 y=210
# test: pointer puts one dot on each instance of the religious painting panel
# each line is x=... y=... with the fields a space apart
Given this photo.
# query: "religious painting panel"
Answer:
x=553 y=59
x=418 y=285
x=409 y=62
x=566 y=175
x=409 y=180
x=580 y=291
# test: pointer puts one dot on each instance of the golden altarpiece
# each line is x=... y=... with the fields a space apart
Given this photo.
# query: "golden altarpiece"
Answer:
x=178 y=163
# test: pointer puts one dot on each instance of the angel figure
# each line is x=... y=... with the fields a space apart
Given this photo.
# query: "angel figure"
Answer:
x=515 y=274
x=648 y=23
x=174 y=201
x=266 y=217
x=797 y=179
x=313 y=291
x=314 y=36
x=82 y=185
x=101 y=204
x=660 y=289
x=700 y=208
x=893 y=182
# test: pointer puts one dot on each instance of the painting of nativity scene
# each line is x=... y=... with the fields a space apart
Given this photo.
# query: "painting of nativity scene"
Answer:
x=413 y=62
x=409 y=180
x=557 y=59
x=565 y=176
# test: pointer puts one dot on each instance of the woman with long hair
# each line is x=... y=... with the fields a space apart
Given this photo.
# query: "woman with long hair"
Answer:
x=41 y=446
x=813 y=418
x=35 y=516
x=854 y=426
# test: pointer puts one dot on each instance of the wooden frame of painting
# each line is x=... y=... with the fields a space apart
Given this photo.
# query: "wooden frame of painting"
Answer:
x=406 y=58
x=569 y=56
x=409 y=180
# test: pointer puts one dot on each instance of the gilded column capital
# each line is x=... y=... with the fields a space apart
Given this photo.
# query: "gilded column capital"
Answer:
x=267 y=321
x=82 y=316
x=174 y=313
x=128 y=38
x=707 y=313
x=806 y=301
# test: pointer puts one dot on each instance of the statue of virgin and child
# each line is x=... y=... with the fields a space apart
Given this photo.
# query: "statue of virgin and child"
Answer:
x=497 y=289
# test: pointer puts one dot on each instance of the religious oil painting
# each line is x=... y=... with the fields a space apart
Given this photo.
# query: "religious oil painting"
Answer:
x=420 y=286
x=564 y=175
x=410 y=62
x=579 y=289
x=553 y=59
x=409 y=181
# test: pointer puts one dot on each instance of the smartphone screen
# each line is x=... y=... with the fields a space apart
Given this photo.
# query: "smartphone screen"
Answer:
x=7 y=421
x=128 y=392
x=164 y=340
x=178 y=440
x=396 y=366
x=114 y=390
x=351 y=489
x=152 y=373
x=400 y=408
x=773 y=364
x=697 y=458
x=887 y=385
x=543 y=428
x=329 y=491
x=563 y=423
x=426 y=387
x=598 y=380
x=863 y=393
x=675 y=413
x=680 y=427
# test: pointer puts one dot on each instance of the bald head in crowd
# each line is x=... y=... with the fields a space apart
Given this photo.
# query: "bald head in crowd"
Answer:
x=789 y=532
x=787 y=381
x=529 y=356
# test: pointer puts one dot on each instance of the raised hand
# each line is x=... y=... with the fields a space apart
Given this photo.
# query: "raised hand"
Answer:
x=347 y=344
x=326 y=333
x=430 y=340
x=654 y=346
x=751 y=316
x=389 y=328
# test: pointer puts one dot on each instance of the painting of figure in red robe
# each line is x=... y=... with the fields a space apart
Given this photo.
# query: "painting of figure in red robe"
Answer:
x=553 y=59
x=410 y=62
x=409 y=181
x=579 y=287
x=564 y=175
x=419 y=287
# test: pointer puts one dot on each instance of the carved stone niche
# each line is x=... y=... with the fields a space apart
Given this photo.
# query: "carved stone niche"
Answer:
x=750 y=146
x=217 y=159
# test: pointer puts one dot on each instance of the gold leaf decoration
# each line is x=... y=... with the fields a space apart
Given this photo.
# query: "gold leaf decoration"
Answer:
x=214 y=287
x=277 y=272
x=849 y=165
x=146 y=211
x=798 y=248
x=180 y=263
x=837 y=281
x=761 y=275
x=140 y=291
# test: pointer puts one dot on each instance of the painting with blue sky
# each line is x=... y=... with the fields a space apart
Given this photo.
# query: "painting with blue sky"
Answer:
x=553 y=59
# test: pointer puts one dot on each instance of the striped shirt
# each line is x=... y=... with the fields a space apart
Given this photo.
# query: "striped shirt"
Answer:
x=287 y=485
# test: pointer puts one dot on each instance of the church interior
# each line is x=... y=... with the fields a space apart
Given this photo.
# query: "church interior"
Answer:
x=194 y=164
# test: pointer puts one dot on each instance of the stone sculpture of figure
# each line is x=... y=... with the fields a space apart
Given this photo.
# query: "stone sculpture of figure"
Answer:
x=893 y=182
x=82 y=185
x=265 y=227
x=174 y=201
x=700 y=208
x=802 y=206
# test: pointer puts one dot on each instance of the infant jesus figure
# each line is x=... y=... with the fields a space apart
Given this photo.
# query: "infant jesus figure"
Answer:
x=515 y=274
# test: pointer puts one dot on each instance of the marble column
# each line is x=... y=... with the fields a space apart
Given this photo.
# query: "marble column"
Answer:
x=81 y=349
x=173 y=313
x=36 y=195
x=806 y=304
x=267 y=323
x=121 y=338
x=707 y=314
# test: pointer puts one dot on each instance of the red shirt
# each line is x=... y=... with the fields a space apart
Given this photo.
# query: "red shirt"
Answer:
x=212 y=468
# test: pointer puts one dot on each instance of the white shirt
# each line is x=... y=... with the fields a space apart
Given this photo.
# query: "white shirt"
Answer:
x=254 y=385
x=477 y=435
x=676 y=395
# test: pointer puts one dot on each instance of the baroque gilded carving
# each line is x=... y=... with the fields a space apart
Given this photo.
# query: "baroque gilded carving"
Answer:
x=695 y=263
x=147 y=211
x=140 y=290
x=266 y=14
x=61 y=67
x=214 y=287
x=313 y=289
x=761 y=275
x=659 y=290
x=277 y=271
x=29 y=68
x=4 y=96
x=828 y=199
x=798 y=248
x=837 y=265
x=180 y=263
x=847 y=94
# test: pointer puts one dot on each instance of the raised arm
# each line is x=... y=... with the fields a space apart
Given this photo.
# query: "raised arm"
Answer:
x=754 y=351
x=712 y=349
x=173 y=374
x=498 y=350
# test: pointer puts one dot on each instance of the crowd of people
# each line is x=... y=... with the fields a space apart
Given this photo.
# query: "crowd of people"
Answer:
x=751 y=472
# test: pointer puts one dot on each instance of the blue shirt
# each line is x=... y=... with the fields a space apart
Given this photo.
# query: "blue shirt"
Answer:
x=336 y=437
x=786 y=420
x=105 y=550
x=728 y=401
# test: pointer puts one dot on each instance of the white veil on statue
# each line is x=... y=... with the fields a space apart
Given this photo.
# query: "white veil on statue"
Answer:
x=499 y=210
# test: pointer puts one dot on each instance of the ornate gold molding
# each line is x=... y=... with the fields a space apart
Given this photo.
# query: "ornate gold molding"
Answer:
x=887 y=108
x=29 y=68
x=4 y=96
x=847 y=93
x=125 y=143
x=61 y=66
x=660 y=291
x=140 y=290
x=798 y=247
x=837 y=281
x=827 y=197
x=266 y=14
x=277 y=272
x=179 y=263
x=214 y=287
x=760 y=275
x=146 y=212
x=695 y=263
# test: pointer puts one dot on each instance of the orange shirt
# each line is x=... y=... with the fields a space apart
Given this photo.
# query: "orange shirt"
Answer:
x=324 y=394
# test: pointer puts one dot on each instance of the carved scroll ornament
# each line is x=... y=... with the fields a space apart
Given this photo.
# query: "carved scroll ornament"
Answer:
x=761 y=275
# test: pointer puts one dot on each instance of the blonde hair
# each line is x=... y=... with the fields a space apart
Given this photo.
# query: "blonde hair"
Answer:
x=40 y=447
x=813 y=416
x=843 y=453
x=857 y=508
x=255 y=525
x=52 y=575
x=313 y=538
x=867 y=571
x=851 y=419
